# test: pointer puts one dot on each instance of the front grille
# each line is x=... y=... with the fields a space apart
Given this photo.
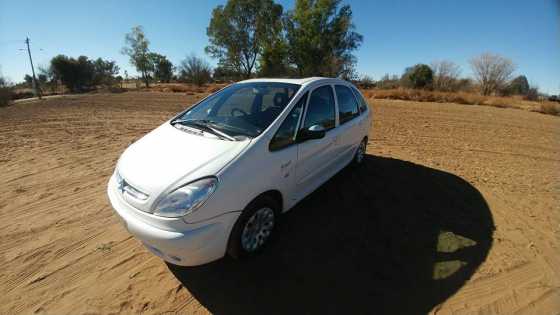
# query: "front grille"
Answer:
x=125 y=188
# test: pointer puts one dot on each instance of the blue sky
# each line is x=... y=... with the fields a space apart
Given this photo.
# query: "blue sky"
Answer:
x=397 y=34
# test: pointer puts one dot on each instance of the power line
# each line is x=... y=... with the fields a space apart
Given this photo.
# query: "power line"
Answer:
x=12 y=41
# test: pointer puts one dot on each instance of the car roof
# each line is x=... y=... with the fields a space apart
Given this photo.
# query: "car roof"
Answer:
x=303 y=81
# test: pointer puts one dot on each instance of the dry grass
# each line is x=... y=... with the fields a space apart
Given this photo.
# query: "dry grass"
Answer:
x=549 y=108
x=463 y=98
x=189 y=89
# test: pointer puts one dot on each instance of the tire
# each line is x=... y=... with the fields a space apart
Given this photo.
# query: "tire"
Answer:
x=360 y=153
x=244 y=240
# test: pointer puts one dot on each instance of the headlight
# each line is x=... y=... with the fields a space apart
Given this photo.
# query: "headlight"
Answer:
x=187 y=198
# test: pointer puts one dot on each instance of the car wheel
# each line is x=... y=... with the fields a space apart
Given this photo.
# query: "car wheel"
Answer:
x=254 y=228
x=360 y=152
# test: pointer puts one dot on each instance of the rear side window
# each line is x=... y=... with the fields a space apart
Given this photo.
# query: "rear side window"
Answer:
x=320 y=110
x=347 y=104
x=286 y=134
x=363 y=104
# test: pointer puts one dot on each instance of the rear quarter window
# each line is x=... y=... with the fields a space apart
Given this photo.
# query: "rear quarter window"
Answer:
x=361 y=101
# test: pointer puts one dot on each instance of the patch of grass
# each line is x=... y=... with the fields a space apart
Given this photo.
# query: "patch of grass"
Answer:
x=105 y=247
x=444 y=269
x=449 y=242
x=20 y=190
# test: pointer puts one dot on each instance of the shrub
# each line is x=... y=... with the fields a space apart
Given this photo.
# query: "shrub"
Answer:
x=549 y=108
x=554 y=98
x=195 y=70
x=366 y=82
x=16 y=95
x=388 y=82
x=419 y=76
x=442 y=97
x=6 y=92
x=6 y=95
x=532 y=94
x=519 y=86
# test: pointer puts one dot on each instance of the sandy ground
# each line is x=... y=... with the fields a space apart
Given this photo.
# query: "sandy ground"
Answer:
x=456 y=211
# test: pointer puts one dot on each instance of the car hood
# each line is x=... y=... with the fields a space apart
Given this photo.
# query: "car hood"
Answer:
x=168 y=156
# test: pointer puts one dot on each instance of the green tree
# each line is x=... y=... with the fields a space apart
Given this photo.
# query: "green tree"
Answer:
x=104 y=72
x=28 y=80
x=137 y=49
x=519 y=85
x=239 y=31
x=195 y=70
x=50 y=80
x=76 y=74
x=321 y=37
x=42 y=78
x=419 y=76
x=274 y=60
x=224 y=73
x=163 y=68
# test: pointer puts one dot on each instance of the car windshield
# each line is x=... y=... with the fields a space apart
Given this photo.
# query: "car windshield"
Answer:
x=243 y=109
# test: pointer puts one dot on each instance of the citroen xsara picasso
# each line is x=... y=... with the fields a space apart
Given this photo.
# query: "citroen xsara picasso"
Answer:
x=215 y=178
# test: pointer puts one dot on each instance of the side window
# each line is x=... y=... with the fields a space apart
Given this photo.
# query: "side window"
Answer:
x=362 y=102
x=320 y=110
x=286 y=134
x=347 y=105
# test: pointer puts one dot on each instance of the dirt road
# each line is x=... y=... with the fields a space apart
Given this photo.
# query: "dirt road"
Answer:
x=456 y=211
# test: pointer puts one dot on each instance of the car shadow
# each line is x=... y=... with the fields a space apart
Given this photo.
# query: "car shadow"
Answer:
x=390 y=237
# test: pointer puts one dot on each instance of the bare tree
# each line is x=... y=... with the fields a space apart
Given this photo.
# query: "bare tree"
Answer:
x=195 y=70
x=492 y=72
x=446 y=75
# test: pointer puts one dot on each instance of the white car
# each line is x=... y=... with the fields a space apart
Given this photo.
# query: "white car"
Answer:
x=215 y=178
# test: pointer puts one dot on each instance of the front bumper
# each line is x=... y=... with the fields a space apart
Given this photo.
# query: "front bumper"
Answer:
x=181 y=243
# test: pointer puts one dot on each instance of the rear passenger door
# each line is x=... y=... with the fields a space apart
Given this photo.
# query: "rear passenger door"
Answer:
x=316 y=156
x=349 y=123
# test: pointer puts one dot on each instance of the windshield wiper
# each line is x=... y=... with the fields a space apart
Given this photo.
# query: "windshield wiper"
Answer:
x=204 y=125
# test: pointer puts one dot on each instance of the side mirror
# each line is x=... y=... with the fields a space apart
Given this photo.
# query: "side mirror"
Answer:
x=313 y=132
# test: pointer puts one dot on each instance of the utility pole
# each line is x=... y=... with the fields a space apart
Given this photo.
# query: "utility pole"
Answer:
x=36 y=87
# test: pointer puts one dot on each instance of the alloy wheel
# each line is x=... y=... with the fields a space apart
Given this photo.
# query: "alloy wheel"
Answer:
x=258 y=229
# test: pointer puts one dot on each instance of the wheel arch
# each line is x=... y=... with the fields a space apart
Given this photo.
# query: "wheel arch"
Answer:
x=273 y=194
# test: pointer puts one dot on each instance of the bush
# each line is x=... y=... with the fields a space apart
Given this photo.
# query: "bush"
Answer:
x=532 y=94
x=519 y=86
x=441 y=97
x=366 y=82
x=419 y=76
x=549 y=108
x=17 y=95
x=195 y=70
x=6 y=92
x=388 y=82
x=6 y=95
x=554 y=98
